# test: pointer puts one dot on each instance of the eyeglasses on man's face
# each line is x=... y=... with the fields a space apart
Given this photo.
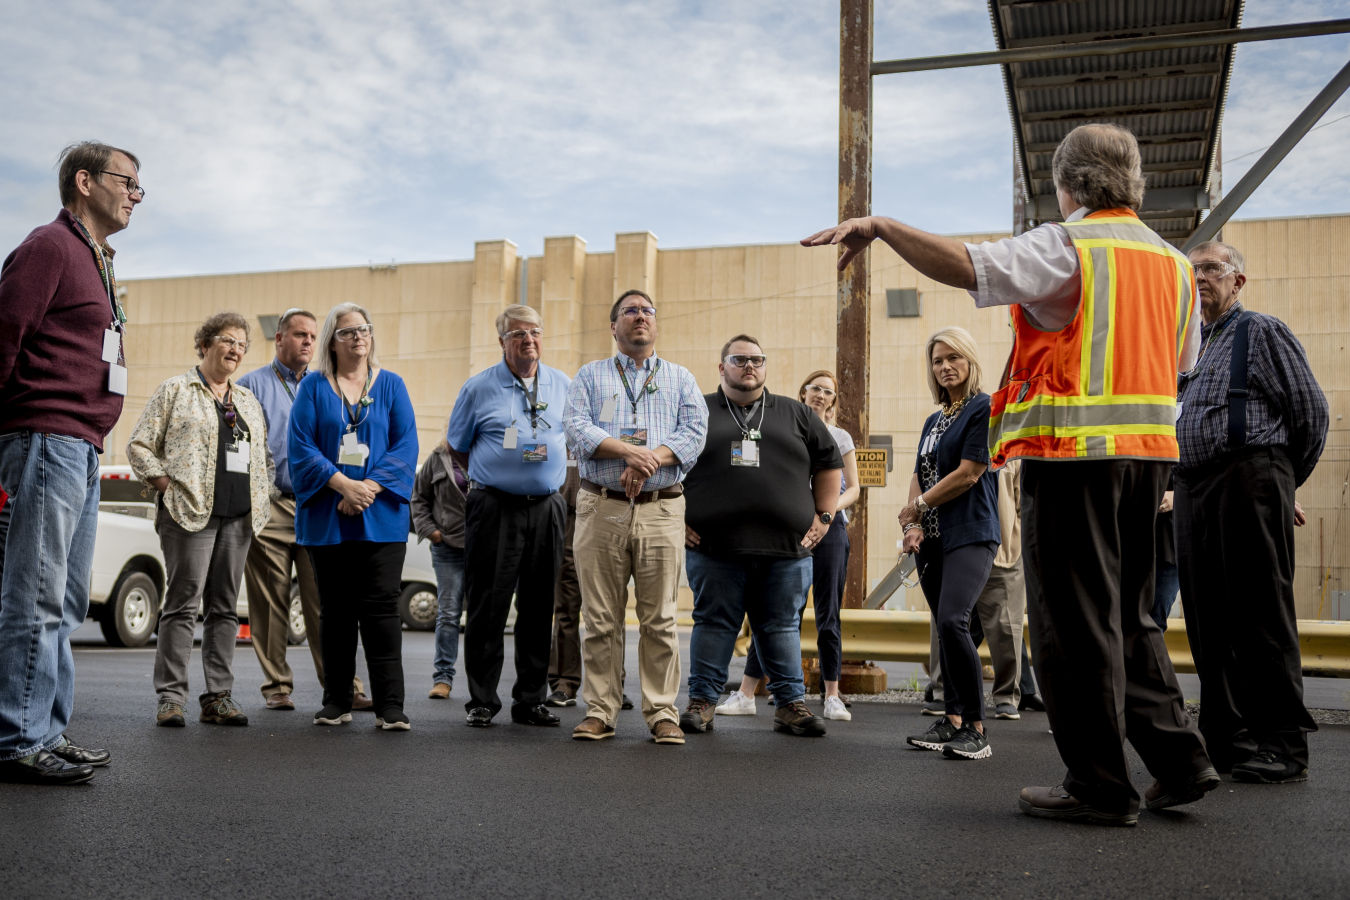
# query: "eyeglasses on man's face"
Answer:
x=521 y=334
x=632 y=312
x=351 y=333
x=1214 y=270
x=128 y=182
x=740 y=361
x=827 y=393
x=230 y=343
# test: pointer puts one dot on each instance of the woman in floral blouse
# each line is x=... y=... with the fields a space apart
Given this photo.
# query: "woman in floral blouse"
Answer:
x=202 y=445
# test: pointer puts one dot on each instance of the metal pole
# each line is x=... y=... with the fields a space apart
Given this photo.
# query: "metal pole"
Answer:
x=853 y=327
x=1270 y=159
x=1111 y=48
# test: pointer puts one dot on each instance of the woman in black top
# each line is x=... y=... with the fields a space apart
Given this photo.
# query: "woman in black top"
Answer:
x=951 y=523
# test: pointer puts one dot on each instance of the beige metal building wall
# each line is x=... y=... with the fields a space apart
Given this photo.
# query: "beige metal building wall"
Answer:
x=435 y=328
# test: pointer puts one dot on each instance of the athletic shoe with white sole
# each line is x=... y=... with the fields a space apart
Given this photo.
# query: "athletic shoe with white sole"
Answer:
x=737 y=705
x=968 y=743
x=332 y=715
x=1006 y=711
x=934 y=738
x=393 y=720
x=834 y=709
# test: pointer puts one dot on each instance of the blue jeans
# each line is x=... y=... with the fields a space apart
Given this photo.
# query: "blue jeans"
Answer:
x=1166 y=583
x=44 y=591
x=772 y=592
x=448 y=562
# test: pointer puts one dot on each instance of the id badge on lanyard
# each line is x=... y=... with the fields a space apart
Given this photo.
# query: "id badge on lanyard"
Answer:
x=237 y=456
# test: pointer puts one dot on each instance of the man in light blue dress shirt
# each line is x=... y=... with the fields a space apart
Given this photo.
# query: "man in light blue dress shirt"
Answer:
x=637 y=423
x=267 y=573
x=506 y=431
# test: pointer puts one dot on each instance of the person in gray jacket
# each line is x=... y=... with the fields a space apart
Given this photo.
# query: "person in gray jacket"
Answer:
x=438 y=516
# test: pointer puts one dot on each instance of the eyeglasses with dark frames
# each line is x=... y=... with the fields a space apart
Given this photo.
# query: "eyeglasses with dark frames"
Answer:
x=741 y=362
x=131 y=185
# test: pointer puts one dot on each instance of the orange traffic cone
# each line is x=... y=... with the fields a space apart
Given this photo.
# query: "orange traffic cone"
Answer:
x=243 y=634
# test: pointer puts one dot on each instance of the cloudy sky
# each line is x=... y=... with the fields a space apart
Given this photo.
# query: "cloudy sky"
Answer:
x=299 y=134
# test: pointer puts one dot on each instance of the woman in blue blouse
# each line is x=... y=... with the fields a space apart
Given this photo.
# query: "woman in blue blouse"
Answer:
x=951 y=523
x=353 y=451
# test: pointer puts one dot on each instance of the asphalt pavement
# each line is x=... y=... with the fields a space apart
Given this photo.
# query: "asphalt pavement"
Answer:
x=286 y=809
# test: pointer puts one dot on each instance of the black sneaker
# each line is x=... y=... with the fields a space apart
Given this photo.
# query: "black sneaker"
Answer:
x=698 y=716
x=332 y=715
x=393 y=719
x=935 y=708
x=1269 y=767
x=934 y=738
x=798 y=719
x=558 y=698
x=968 y=743
x=626 y=704
x=479 y=717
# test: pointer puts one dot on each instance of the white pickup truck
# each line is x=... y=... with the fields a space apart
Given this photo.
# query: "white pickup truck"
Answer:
x=126 y=591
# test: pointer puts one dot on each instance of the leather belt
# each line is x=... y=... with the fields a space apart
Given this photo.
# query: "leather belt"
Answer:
x=670 y=493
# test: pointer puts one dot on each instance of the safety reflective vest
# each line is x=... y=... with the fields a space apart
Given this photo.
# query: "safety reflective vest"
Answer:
x=1105 y=385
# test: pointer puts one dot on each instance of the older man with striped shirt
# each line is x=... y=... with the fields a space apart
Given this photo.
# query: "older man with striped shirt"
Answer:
x=636 y=423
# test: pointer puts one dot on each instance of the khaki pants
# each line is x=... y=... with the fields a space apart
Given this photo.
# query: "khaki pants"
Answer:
x=649 y=548
x=267 y=575
x=1001 y=608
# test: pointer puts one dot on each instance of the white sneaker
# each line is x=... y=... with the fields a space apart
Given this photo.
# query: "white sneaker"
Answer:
x=737 y=705
x=835 y=709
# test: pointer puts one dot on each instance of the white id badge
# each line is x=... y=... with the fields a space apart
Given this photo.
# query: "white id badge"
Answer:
x=607 y=410
x=741 y=456
x=1179 y=406
x=236 y=457
x=112 y=344
x=351 y=453
x=509 y=438
x=117 y=379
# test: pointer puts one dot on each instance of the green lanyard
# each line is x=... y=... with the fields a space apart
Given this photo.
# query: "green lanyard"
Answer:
x=647 y=388
x=105 y=273
x=282 y=379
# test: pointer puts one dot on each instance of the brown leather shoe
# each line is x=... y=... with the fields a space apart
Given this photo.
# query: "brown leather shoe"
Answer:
x=592 y=729
x=361 y=701
x=280 y=701
x=440 y=691
x=667 y=732
x=1057 y=803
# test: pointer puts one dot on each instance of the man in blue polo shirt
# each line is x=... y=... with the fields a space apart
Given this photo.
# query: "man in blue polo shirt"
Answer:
x=507 y=432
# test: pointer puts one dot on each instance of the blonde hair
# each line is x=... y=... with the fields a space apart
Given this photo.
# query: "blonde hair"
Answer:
x=518 y=313
x=1099 y=166
x=834 y=404
x=325 y=361
x=961 y=341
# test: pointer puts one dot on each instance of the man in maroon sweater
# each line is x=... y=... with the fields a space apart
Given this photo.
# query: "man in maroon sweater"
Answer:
x=62 y=380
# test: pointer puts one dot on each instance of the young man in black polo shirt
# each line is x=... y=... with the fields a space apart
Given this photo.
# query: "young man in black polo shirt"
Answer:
x=760 y=497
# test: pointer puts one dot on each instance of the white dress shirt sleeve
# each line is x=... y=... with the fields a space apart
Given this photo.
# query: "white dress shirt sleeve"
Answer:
x=1037 y=270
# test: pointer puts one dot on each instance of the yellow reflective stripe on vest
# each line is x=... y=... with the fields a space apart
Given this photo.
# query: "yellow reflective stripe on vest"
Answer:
x=1099 y=301
x=1069 y=416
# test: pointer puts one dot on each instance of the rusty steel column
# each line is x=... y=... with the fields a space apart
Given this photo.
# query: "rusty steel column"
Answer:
x=853 y=325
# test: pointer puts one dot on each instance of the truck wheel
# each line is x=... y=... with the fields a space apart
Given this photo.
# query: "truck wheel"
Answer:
x=295 y=620
x=133 y=611
x=417 y=607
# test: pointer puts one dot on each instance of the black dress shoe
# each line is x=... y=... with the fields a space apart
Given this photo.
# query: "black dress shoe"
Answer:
x=1032 y=702
x=480 y=717
x=1165 y=796
x=78 y=756
x=627 y=704
x=44 y=768
x=533 y=715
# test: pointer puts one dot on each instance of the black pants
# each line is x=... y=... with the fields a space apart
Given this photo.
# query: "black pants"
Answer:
x=1087 y=550
x=512 y=545
x=359 y=584
x=829 y=566
x=952 y=581
x=1235 y=546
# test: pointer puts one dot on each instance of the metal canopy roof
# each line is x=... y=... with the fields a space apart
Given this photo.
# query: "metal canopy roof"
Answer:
x=1171 y=99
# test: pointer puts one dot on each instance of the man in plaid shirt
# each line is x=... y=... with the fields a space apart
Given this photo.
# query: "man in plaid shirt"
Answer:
x=636 y=423
x=1235 y=516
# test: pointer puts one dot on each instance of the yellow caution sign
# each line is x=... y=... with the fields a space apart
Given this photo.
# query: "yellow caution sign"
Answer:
x=871 y=466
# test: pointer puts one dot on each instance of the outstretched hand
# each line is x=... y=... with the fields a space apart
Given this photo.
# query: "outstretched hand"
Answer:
x=854 y=234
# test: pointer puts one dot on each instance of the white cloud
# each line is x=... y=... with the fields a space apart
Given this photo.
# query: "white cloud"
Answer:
x=306 y=134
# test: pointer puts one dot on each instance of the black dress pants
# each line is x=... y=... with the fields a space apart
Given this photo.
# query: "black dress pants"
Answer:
x=512 y=545
x=1235 y=548
x=952 y=581
x=1087 y=550
x=359 y=583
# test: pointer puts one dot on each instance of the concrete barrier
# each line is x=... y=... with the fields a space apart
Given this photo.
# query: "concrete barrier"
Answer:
x=902 y=636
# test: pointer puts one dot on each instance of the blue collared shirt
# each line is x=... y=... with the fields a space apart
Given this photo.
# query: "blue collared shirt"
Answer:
x=493 y=401
x=276 y=399
x=674 y=415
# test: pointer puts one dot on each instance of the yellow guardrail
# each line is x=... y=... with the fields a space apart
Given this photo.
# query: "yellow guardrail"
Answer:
x=902 y=636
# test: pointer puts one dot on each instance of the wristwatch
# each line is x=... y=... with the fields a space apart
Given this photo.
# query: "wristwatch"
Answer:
x=920 y=505
x=826 y=518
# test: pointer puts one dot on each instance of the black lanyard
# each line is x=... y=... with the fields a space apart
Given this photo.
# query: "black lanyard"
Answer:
x=647 y=387
x=748 y=433
x=354 y=408
x=532 y=404
x=227 y=407
x=1234 y=313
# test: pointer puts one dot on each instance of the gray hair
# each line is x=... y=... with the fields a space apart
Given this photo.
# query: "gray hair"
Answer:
x=214 y=325
x=1099 y=166
x=518 y=313
x=325 y=361
x=1235 y=257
